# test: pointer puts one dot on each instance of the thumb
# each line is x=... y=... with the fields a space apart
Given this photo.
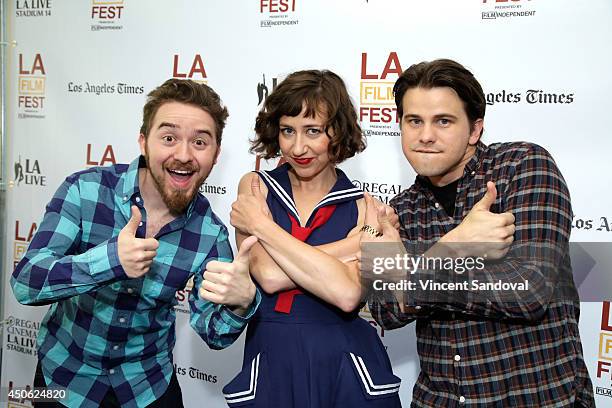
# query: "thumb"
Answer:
x=132 y=224
x=384 y=221
x=245 y=249
x=255 y=187
x=487 y=201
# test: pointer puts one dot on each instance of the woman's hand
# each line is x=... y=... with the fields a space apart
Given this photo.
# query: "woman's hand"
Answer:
x=249 y=208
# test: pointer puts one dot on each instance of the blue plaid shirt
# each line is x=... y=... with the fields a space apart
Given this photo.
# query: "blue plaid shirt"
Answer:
x=104 y=329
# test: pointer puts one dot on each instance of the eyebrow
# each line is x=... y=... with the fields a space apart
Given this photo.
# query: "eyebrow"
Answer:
x=436 y=116
x=308 y=125
x=175 y=126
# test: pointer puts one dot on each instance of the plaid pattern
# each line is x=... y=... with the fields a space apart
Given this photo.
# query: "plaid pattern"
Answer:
x=104 y=329
x=497 y=353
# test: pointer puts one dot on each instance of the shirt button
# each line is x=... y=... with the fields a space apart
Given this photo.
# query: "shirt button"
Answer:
x=125 y=198
x=472 y=173
x=115 y=347
x=137 y=199
x=437 y=205
x=462 y=399
x=457 y=357
x=121 y=320
x=140 y=224
x=130 y=290
x=111 y=371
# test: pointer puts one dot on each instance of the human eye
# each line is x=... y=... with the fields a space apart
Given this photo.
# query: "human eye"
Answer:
x=168 y=138
x=287 y=131
x=200 y=143
x=314 y=131
x=444 y=122
x=414 y=122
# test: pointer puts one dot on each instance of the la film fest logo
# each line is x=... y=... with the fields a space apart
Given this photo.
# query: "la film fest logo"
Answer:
x=106 y=14
x=504 y=9
x=383 y=191
x=21 y=335
x=27 y=172
x=97 y=156
x=377 y=111
x=604 y=361
x=33 y=8
x=530 y=96
x=189 y=67
x=31 y=86
x=24 y=232
x=278 y=13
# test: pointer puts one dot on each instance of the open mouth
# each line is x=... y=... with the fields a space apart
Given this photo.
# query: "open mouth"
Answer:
x=181 y=178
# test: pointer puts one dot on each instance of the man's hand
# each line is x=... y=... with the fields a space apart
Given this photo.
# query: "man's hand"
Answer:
x=249 y=209
x=230 y=284
x=135 y=254
x=372 y=248
x=483 y=232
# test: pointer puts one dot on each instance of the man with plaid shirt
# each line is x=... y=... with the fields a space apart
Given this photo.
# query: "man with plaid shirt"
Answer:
x=115 y=245
x=509 y=203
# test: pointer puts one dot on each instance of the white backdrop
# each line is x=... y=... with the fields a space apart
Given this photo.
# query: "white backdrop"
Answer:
x=79 y=75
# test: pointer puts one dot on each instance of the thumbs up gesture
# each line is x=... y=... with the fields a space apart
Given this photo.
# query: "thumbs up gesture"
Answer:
x=250 y=207
x=229 y=283
x=485 y=232
x=135 y=254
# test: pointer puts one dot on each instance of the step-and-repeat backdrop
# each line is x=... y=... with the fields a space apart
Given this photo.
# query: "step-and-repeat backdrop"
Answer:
x=81 y=69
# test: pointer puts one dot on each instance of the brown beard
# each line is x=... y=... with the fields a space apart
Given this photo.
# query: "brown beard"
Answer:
x=177 y=201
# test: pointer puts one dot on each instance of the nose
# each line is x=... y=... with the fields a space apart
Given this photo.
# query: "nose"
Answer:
x=182 y=152
x=299 y=146
x=427 y=134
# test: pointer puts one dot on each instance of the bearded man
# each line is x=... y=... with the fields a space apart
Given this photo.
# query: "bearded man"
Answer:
x=115 y=245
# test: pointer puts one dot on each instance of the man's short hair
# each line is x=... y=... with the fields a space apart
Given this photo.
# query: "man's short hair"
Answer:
x=316 y=91
x=189 y=92
x=443 y=73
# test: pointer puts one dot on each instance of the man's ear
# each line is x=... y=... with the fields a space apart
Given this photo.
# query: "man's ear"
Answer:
x=142 y=141
x=476 y=131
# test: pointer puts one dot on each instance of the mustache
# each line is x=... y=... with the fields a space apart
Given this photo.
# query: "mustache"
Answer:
x=176 y=165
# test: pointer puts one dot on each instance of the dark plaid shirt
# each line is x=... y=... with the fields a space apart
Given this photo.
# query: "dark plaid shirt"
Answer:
x=103 y=329
x=497 y=353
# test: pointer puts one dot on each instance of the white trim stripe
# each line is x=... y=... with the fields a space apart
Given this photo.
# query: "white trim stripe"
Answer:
x=252 y=386
x=370 y=387
x=327 y=200
x=282 y=194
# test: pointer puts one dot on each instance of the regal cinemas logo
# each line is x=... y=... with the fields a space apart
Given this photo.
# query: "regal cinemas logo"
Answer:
x=189 y=68
x=278 y=13
x=382 y=191
x=31 y=87
x=377 y=111
x=24 y=232
x=21 y=335
x=97 y=156
x=503 y=9
x=604 y=363
x=27 y=172
x=106 y=14
x=33 y=8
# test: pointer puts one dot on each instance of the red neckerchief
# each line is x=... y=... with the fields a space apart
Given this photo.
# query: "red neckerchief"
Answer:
x=285 y=298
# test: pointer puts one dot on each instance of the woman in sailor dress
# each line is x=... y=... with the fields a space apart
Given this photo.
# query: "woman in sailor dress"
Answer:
x=306 y=345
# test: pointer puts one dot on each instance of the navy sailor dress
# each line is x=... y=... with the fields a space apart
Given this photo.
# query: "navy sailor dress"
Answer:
x=300 y=351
